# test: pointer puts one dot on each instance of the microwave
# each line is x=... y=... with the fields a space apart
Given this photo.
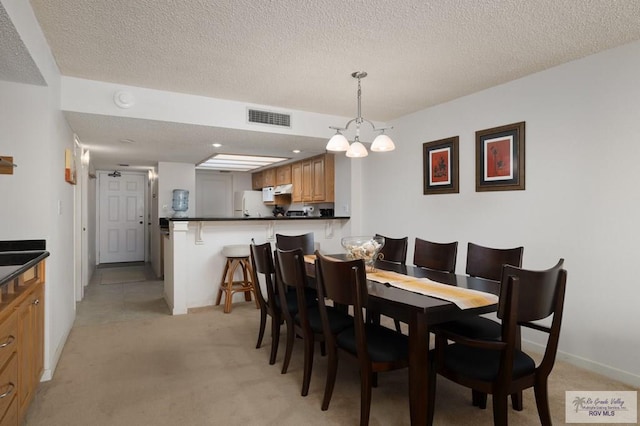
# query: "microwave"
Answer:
x=268 y=194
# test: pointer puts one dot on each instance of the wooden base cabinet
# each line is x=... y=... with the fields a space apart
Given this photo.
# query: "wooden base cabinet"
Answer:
x=21 y=344
x=31 y=345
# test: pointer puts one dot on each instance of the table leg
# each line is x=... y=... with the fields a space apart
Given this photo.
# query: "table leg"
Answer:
x=418 y=368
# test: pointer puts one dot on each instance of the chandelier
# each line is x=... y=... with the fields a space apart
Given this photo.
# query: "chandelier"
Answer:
x=339 y=142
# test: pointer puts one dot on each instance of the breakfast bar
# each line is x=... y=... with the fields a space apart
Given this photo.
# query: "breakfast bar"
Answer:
x=193 y=260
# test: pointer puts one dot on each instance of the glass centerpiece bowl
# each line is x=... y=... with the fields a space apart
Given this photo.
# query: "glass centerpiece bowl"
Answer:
x=366 y=248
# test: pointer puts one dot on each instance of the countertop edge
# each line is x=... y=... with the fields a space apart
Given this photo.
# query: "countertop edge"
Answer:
x=24 y=267
x=244 y=219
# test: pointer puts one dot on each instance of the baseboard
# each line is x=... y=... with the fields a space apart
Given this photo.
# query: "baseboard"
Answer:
x=47 y=374
x=605 y=370
x=172 y=308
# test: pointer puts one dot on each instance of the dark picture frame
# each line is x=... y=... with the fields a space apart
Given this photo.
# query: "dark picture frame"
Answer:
x=500 y=159
x=440 y=166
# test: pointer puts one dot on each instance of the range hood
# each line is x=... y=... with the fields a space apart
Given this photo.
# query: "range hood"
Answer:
x=283 y=189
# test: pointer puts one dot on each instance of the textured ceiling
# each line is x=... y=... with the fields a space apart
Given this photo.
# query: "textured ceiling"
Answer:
x=300 y=54
x=16 y=64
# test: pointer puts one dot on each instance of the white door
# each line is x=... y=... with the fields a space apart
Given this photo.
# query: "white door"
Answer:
x=121 y=217
x=213 y=195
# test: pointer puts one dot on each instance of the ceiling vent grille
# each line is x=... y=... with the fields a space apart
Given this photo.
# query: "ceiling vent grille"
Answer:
x=268 y=117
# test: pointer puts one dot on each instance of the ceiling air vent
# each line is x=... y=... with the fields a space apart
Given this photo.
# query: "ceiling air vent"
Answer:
x=268 y=117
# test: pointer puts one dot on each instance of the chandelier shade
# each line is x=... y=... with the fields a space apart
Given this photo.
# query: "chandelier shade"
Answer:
x=382 y=143
x=357 y=150
x=338 y=142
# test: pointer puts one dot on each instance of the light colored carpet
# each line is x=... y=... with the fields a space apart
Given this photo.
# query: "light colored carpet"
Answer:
x=203 y=369
x=126 y=274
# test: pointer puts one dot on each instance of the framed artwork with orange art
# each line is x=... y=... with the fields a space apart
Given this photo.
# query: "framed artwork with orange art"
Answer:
x=500 y=158
x=440 y=166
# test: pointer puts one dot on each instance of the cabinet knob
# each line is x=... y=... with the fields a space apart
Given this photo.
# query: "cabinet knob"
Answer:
x=36 y=302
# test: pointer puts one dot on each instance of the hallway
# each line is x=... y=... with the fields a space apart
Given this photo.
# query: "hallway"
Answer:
x=121 y=293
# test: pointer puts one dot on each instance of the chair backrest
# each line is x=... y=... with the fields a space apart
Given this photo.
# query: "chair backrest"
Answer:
x=290 y=242
x=527 y=296
x=537 y=291
x=262 y=263
x=336 y=279
x=437 y=256
x=395 y=249
x=345 y=283
x=292 y=273
x=486 y=262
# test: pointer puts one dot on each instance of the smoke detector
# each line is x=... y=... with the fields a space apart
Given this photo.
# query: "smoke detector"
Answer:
x=124 y=99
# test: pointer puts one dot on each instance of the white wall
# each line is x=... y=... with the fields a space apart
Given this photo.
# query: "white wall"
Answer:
x=38 y=203
x=581 y=201
x=175 y=176
x=208 y=203
x=92 y=202
x=154 y=228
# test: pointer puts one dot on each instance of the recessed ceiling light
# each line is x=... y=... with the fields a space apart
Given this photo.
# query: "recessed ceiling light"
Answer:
x=238 y=163
x=296 y=151
x=216 y=145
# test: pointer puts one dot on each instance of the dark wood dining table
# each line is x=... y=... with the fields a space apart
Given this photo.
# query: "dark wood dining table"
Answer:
x=420 y=312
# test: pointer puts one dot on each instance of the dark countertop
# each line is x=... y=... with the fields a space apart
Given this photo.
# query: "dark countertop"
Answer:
x=18 y=256
x=227 y=219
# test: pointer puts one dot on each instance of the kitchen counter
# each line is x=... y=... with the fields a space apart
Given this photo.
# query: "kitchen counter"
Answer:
x=17 y=257
x=227 y=219
x=193 y=259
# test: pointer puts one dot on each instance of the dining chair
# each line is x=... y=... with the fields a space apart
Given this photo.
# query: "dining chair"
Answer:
x=375 y=348
x=262 y=262
x=305 y=323
x=290 y=242
x=487 y=263
x=500 y=367
x=394 y=249
x=436 y=256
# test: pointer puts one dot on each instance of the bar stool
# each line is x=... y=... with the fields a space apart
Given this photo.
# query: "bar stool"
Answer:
x=237 y=256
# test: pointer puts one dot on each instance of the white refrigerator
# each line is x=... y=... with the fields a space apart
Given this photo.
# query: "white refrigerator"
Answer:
x=250 y=204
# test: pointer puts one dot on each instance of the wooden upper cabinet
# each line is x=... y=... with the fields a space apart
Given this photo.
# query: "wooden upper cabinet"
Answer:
x=283 y=175
x=307 y=181
x=323 y=178
x=269 y=177
x=296 y=180
x=312 y=179
x=318 y=175
x=256 y=180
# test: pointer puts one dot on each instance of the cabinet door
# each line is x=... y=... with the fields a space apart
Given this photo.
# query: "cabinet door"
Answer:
x=307 y=181
x=256 y=180
x=296 y=180
x=283 y=175
x=31 y=345
x=319 y=190
x=269 y=177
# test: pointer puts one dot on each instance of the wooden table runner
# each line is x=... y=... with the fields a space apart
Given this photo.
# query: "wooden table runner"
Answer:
x=464 y=298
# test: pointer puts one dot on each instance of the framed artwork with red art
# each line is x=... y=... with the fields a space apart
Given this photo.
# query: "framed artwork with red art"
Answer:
x=440 y=164
x=500 y=158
